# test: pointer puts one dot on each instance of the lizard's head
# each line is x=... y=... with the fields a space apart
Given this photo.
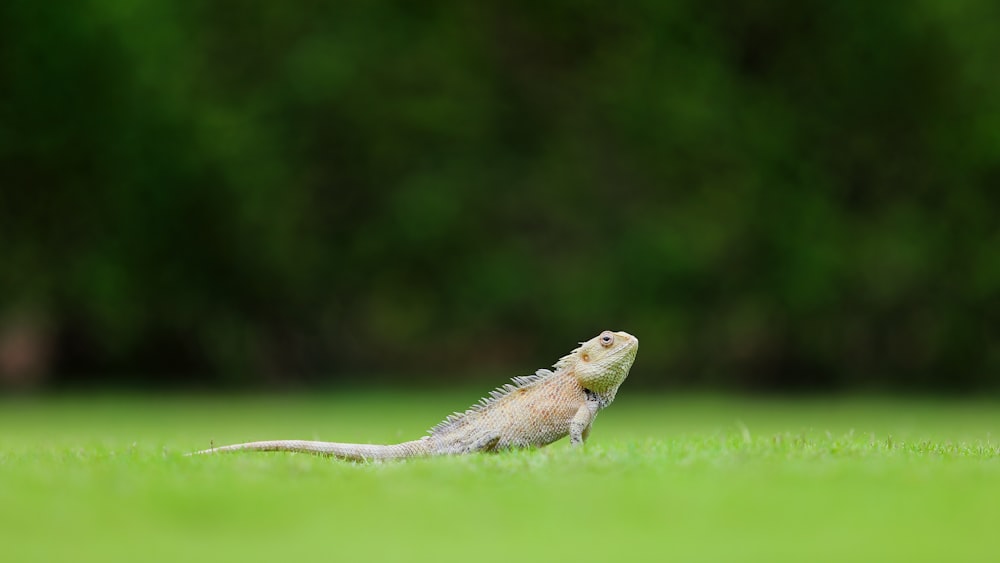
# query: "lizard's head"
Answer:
x=602 y=363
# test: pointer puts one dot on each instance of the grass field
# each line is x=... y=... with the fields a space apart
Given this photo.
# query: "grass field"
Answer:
x=682 y=478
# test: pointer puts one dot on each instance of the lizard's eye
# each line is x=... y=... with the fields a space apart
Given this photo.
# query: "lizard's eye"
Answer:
x=607 y=338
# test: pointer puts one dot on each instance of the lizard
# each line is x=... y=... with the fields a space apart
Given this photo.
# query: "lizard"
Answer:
x=532 y=411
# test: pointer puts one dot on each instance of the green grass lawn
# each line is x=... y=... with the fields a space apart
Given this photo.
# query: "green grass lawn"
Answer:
x=662 y=478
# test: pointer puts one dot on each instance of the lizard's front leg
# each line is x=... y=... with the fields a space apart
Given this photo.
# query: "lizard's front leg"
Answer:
x=579 y=427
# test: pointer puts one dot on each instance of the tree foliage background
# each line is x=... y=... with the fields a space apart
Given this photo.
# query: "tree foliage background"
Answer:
x=771 y=195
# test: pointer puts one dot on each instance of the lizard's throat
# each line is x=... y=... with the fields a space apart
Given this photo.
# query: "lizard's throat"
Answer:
x=604 y=384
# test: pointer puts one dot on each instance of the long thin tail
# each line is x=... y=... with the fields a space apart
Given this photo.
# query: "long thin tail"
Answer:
x=353 y=452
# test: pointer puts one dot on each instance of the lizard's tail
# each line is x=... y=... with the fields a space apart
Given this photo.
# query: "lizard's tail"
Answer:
x=353 y=452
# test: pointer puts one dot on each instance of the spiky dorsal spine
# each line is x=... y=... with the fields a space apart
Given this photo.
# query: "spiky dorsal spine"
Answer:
x=520 y=382
x=569 y=360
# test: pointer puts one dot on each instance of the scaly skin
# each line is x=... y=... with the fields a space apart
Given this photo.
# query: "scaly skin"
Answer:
x=533 y=411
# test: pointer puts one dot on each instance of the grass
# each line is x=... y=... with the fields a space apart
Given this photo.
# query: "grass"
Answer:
x=686 y=479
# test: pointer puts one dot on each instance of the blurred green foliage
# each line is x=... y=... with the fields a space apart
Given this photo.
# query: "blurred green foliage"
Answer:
x=769 y=194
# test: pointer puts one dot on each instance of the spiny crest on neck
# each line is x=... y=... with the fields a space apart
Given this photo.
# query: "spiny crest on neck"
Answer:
x=571 y=359
x=520 y=382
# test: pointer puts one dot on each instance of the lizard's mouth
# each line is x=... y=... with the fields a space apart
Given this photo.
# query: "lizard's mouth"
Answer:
x=626 y=343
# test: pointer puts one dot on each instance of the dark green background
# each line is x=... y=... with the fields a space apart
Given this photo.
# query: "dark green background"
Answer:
x=771 y=195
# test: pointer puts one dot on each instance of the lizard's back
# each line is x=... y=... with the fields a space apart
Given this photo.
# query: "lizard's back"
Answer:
x=532 y=415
